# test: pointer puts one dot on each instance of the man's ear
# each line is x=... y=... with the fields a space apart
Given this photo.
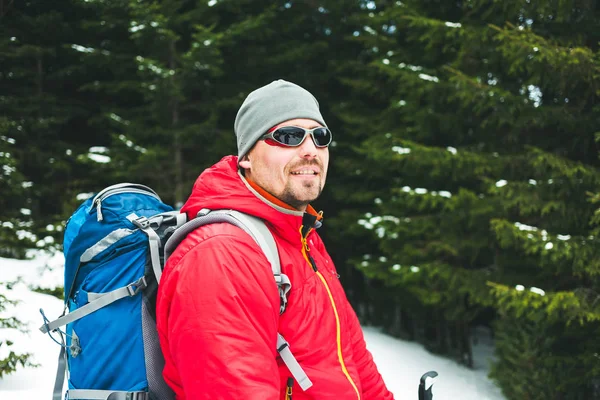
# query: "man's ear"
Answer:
x=245 y=162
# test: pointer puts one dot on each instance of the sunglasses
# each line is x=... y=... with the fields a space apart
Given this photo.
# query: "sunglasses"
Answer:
x=293 y=136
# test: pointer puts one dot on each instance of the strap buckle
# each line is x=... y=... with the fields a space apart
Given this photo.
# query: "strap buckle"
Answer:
x=283 y=345
x=136 y=396
x=135 y=287
x=140 y=222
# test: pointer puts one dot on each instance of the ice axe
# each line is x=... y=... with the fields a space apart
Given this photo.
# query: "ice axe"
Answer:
x=427 y=381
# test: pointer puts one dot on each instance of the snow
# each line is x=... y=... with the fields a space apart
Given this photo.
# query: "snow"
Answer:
x=46 y=271
x=524 y=227
x=82 y=49
x=539 y=291
x=453 y=24
x=84 y=196
x=535 y=95
x=429 y=78
x=400 y=149
x=99 y=158
x=452 y=149
x=401 y=363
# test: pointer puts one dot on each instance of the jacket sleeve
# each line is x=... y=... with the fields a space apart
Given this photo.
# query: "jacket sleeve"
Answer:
x=222 y=321
x=371 y=381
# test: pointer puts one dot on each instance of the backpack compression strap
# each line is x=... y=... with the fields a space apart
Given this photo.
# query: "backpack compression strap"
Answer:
x=154 y=243
x=92 y=394
x=257 y=229
x=100 y=300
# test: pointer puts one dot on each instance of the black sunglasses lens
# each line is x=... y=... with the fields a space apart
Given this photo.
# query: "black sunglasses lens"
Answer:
x=289 y=135
x=322 y=136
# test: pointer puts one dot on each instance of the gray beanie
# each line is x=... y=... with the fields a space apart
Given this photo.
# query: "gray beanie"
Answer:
x=270 y=105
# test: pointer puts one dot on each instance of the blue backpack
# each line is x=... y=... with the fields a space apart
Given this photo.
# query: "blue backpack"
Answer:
x=115 y=247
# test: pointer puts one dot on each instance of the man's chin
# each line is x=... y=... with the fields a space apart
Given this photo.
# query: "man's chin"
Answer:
x=300 y=201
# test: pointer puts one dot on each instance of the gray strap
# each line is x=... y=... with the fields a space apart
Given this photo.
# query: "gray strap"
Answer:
x=91 y=394
x=94 y=296
x=60 y=375
x=105 y=243
x=254 y=226
x=153 y=240
x=181 y=219
x=283 y=348
x=284 y=285
x=261 y=234
x=127 y=291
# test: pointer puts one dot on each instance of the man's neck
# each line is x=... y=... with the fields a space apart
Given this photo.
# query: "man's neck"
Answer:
x=307 y=208
x=270 y=197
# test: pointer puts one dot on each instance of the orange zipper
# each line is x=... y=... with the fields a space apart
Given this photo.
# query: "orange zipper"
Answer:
x=338 y=330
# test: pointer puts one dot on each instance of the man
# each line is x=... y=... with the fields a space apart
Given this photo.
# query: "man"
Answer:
x=218 y=305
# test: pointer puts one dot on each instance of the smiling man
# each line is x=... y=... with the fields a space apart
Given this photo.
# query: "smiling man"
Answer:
x=218 y=309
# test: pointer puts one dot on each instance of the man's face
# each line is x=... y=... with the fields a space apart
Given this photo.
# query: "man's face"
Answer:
x=295 y=175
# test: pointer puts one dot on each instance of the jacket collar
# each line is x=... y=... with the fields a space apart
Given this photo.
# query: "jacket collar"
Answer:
x=278 y=204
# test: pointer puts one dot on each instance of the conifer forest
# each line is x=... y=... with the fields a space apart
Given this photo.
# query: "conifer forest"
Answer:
x=464 y=184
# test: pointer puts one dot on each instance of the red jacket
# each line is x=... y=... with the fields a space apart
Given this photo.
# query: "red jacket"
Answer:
x=218 y=306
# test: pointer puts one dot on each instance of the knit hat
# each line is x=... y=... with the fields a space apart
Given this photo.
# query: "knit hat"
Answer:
x=270 y=105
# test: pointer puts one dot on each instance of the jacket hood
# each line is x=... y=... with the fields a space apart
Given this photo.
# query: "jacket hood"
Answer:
x=223 y=187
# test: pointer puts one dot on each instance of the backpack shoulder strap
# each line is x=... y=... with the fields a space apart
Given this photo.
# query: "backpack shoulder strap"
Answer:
x=261 y=234
x=254 y=226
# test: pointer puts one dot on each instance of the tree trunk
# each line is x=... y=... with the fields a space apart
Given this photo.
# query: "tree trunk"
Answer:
x=40 y=72
x=465 y=339
x=4 y=7
x=177 y=150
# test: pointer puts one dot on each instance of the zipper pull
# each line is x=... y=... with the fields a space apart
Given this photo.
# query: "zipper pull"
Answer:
x=99 y=211
x=303 y=239
x=306 y=250
x=305 y=244
x=288 y=388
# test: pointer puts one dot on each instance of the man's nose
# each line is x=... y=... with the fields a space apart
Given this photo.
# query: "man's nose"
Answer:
x=307 y=148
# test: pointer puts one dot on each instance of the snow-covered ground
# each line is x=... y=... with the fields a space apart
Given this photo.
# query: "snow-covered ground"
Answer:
x=401 y=363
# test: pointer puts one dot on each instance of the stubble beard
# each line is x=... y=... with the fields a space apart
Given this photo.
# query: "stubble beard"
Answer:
x=300 y=197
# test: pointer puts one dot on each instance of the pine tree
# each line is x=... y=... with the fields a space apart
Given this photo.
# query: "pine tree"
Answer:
x=176 y=62
x=46 y=117
x=469 y=185
x=13 y=221
x=35 y=159
x=14 y=215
